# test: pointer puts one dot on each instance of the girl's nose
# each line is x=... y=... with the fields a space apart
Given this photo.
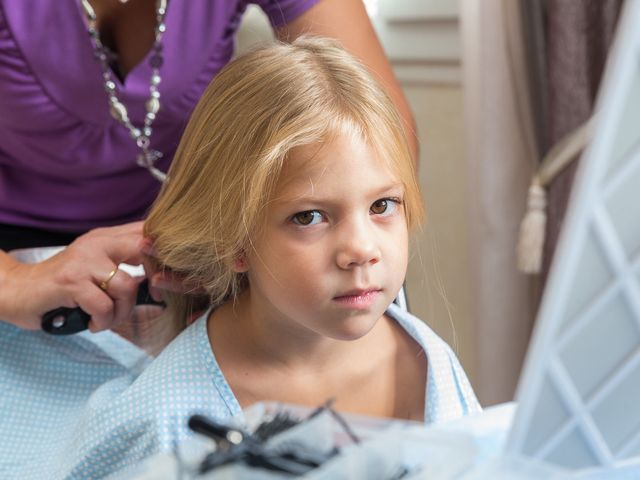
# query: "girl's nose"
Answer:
x=358 y=245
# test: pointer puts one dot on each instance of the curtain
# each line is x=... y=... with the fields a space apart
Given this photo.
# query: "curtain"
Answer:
x=502 y=154
x=578 y=37
x=531 y=71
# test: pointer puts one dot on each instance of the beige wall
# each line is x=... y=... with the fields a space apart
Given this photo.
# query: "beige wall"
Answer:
x=437 y=282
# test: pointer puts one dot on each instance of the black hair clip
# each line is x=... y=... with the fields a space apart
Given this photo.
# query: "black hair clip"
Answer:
x=236 y=445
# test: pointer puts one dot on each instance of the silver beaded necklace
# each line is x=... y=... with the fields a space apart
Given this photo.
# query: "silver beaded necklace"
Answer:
x=147 y=157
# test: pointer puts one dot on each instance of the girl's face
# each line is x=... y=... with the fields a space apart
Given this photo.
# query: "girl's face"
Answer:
x=333 y=252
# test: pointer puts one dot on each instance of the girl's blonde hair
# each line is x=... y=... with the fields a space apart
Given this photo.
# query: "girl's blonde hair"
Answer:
x=258 y=108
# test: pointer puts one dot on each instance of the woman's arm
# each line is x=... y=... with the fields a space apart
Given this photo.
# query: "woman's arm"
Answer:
x=347 y=21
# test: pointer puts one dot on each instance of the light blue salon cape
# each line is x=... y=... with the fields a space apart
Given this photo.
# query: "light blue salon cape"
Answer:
x=85 y=406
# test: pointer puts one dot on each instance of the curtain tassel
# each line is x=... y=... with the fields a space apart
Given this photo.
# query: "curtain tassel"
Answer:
x=532 y=230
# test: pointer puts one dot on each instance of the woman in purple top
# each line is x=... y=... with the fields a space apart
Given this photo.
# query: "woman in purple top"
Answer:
x=94 y=95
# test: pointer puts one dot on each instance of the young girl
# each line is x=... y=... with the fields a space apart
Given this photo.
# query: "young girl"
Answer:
x=289 y=203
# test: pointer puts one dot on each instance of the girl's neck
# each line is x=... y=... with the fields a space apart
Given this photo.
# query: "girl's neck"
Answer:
x=261 y=360
x=268 y=341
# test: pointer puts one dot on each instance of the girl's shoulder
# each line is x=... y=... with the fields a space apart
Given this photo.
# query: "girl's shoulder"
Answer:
x=420 y=331
x=449 y=392
x=149 y=414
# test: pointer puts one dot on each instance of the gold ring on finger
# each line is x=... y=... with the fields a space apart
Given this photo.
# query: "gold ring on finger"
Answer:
x=104 y=285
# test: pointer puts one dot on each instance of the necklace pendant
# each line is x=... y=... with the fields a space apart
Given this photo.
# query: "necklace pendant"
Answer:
x=154 y=155
x=148 y=158
x=158 y=174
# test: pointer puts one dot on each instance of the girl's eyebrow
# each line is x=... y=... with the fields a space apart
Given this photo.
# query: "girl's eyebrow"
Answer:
x=394 y=188
x=391 y=187
x=313 y=197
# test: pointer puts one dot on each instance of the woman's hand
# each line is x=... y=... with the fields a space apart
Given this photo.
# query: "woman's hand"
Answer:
x=73 y=278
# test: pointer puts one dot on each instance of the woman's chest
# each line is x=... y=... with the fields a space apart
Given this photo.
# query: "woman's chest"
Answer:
x=50 y=77
x=127 y=29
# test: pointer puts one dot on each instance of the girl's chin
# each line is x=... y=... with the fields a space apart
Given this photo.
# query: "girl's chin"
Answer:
x=354 y=326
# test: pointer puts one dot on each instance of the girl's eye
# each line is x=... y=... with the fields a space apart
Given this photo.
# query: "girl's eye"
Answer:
x=310 y=217
x=384 y=206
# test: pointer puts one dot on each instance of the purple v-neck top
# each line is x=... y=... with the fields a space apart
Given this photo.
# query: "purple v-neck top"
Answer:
x=65 y=163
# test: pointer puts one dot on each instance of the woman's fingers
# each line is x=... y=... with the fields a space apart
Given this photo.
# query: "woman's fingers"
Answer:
x=167 y=280
x=121 y=244
x=110 y=305
x=150 y=267
x=154 y=290
x=122 y=290
x=98 y=305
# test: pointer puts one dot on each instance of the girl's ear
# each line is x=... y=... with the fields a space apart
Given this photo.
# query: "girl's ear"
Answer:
x=240 y=264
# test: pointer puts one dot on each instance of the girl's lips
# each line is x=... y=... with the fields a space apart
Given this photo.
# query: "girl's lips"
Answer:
x=358 y=300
